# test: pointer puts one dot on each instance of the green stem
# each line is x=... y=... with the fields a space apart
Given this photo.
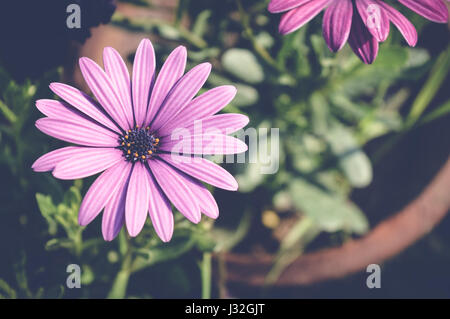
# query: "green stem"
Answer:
x=292 y=247
x=78 y=242
x=432 y=85
x=119 y=287
x=9 y=115
x=206 y=276
x=261 y=51
x=434 y=82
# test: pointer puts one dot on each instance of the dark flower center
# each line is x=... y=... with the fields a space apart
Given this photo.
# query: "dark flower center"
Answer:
x=138 y=144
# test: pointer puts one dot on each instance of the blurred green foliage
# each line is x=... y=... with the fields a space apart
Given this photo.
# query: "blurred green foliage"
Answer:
x=327 y=107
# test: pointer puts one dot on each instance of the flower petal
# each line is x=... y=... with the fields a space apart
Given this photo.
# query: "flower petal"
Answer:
x=81 y=132
x=206 y=201
x=143 y=76
x=434 y=10
x=362 y=42
x=203 y=170
x=54 y=109
x=62 y=111
x=117 y=71
x=296 y=18
x=103 y=90
x=175 y=188
x=101 y=191
x=405 y=27
x=276 y=6
x=47 y=162
x=87 y=163
x=216 y=124
x=138 y=195
x=160 y=210
x=205 y=105
x=181 y=94
x=83 y=103
x=206 y=144
x=374 y=18
x=337 y=22
x=171 y=71
x=114 y=214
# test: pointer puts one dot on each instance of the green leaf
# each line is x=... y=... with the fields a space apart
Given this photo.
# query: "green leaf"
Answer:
x=201 y=24
x=243 y=65
x=57 y=243
x=245 y=96
x=436 y=79
x=265 y=40
x=5 y=288
x=442 y=110
x=45 y=204
x=352 y=160
x=72 y=198
x=47 y=209
x=329 y=211
x=169 y=32
x=87 y=275
x=151 y=256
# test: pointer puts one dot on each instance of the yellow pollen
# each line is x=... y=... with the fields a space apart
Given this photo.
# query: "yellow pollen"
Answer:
x=123 y=143
x=129 y=152
x=129 y=131
x=143 y=157
x=136 y=154
x=150 y=152
x=128 y=144
x=126 y=137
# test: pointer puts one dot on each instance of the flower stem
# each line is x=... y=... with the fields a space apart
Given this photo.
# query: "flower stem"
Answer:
x=437 y=77
x=433 y=84
x=260 y=50
x=205 y=269
x=119 y=287
x=7 y=113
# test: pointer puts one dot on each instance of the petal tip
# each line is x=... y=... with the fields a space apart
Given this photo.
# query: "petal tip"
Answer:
x=207 y=66
x=232 y=89
x=108 y=237
x=54 y=86
x=35 y=166
x=245 y=120
x=132 y=232
x=82 y=221
x=165 y=238
x=85 y=62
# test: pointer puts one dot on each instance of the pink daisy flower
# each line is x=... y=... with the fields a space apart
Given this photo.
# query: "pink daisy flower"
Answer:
x=364 y=23
x=127 y=135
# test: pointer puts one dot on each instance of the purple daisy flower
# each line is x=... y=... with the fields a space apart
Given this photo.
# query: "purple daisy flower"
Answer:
x=128 y=135
x=364 y=23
